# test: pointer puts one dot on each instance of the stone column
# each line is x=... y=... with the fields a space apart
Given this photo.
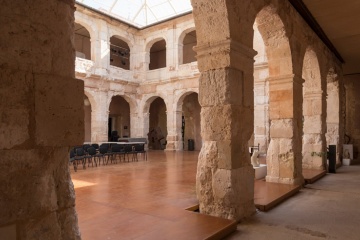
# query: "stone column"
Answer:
x=100 y=117
x=171 y=62
x=135 y=125
x=284 y=153
x=225 y=177
x=41 y=116
x=174 y=138
x=101 y=49
x=139 y=61
x=314 y=151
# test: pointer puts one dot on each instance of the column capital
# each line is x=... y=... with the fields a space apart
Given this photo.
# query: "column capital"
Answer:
x=314 y=94
x=285 y=79
x=226 y=53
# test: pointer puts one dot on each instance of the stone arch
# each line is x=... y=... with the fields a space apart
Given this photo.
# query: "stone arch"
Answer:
x=187 y=119
x=313 y=143
x=120 y=52
x=285 y=98
x=274 y=34
x=155 y=118
x=333 y=109
x=88 y=109
x=261 y=134
x=156 y=51
x=91 y=28
x=121 y=121
x=151 y=40
x=181 y=43
x=181 y=96
x=82 y=41
x=148 y=99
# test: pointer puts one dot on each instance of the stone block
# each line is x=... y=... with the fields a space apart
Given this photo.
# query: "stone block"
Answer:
x=282 y=128
x=15 y=107
x=28 y=188
x=313 y=124
x=221 y=86
x=59 y=111
x=281 y=104
x=226 y=123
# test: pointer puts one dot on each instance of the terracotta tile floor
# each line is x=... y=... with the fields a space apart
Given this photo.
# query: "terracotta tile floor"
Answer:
x=144 y=200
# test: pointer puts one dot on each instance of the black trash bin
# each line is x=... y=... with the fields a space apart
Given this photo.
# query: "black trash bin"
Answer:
x=191 y=145
x=332 y=158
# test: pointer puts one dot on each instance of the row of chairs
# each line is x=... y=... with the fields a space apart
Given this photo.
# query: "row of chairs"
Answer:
x=93 y=154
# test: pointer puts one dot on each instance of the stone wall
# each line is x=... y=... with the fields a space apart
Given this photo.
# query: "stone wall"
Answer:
x=41 y=115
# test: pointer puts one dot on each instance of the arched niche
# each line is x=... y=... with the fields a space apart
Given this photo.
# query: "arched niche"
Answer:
x=87 y=119
x=186 y=51
x=313 y=142
x=158 y=55
x=119 y=117
x=119 y=53
x=157 y=123
x=82 y=42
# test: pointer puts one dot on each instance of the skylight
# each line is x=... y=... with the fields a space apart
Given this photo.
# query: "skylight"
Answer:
x=140 y=13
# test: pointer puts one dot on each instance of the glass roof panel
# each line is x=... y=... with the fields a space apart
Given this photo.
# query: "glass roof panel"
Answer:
x=140 y=13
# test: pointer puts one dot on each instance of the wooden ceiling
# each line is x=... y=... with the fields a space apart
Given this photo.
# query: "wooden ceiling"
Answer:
x=338 y=22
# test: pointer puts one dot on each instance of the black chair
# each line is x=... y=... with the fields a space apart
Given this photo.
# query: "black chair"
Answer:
x=91 y=156
x=86 y=146
x=116 y=151
x=140 y=148
x=80 y=156
x=96 y=146
x=72 y=159
x=130 y=149
x=103 y=153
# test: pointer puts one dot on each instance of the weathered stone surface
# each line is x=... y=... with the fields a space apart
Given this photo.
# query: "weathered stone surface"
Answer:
x=221 y=87
x=226 y=193
x=283 y=128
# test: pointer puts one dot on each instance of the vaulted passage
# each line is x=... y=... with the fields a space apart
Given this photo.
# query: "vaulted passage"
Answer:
x=207 y=81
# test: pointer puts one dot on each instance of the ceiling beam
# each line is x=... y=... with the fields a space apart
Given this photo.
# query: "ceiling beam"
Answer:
x=301 y=8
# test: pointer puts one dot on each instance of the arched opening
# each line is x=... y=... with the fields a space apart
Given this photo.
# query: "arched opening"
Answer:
x=284 y=144
x=261 y=136
x=87 y=119
x=82 y=42
x=157 y=124
x=119 y=53
x=313 y=142
x=333 y=112
x=158 y=55
x=119 y=118
x=188 y=54
x=190 y=127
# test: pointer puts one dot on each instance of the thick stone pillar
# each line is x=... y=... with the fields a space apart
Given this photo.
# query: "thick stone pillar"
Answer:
x=225 y=177
x=100 y=117
x=314 y=147
x=174 y=138
x=41 y=116
x=284 y=153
